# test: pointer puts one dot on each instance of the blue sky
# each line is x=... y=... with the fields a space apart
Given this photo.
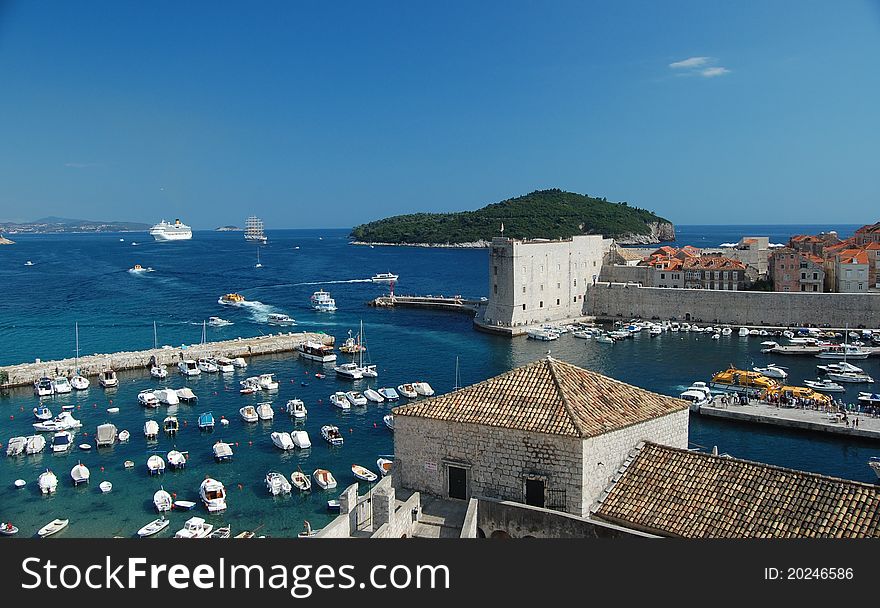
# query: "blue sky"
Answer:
x=328 y=116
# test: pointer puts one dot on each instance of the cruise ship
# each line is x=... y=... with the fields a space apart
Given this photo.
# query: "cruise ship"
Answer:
x=253 y=230
x=166 y=231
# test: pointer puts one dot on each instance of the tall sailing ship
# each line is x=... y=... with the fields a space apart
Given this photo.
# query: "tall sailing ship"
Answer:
x=253 y=230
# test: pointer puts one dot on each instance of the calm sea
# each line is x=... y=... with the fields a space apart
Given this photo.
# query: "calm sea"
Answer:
x=84 y=279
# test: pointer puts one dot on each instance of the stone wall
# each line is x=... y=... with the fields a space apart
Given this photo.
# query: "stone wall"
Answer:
x=498 y=461
x=603 y=455
x=610 y=301
x=618 y=273
x=403 y=521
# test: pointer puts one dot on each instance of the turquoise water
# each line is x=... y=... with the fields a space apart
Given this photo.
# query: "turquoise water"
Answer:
x=84 y=278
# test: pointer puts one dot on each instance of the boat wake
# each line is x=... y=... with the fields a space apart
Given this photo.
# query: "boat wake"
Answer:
x=333 y=282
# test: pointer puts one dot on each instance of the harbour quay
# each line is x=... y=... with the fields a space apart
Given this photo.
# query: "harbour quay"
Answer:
x=23 y=374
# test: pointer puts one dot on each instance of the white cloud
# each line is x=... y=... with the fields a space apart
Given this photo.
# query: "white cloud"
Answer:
x=715 y=71
x=690 y=63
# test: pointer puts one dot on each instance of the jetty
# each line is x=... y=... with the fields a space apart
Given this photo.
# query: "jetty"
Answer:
x=454 y=303
x=795 y=349
x=24 y=374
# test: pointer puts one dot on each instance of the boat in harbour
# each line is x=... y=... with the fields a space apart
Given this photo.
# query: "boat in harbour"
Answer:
x=53 y=527
x=248 y=413
x=322 y=302
x=167 y=396
x=213 y=495
x=34 y=444
x=224 y=364
x=844 y=352
x=301 y=481
x=206 y=421
x=105 y=435
x=218 y=322
x=7 y=529
x=61 y=385
x=186 y=395
x=189 y=367
x=43 y=387
x=316 y=351
x=340 y=400
x=331 y=434
x=42 y=412
x=194 y=527
x=297 y=409
x=148 y=399
x=825 y=385
x=772 y=371
x=872 y=399
x=277 y=483
x=177 y=459
x=167 y=231
x=389 y=393
x=742 y=381
x=356 y=398
x=537 y=333
x=106 y=487
x=277 y=318
x=423 y=388
x=301 y=439
x=408 y=391
x=151 y=429
x=267 y=382
x=206 y=365
x=80 y=474
x=843 y=366
x=16 y=445
x=349 y=371
x=162 y=500
x=363 y=473
x=373 y=396
x=388 y=419
x=851 y=377
x=282 y=440
x=384 y=465
x=324 y=479
x=155 y=465
x=384 y=277
x=154 y=527
x=232 y=299
x=108 y=379
x=265 y=411
x=47 y=482
x=222 y=451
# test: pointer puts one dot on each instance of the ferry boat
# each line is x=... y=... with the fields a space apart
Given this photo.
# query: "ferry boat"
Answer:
x=801 y=392
x=166 y=231
x=322 y=302
x=253 y=230
x=384 y=277
x=316 y=351
x=742 y=381
x=231 y=299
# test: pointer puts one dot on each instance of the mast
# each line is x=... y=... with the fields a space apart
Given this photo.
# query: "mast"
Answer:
x=155 y=336
x=76 y=361
x=361 y=346
x=203 y=331
x=457 y=378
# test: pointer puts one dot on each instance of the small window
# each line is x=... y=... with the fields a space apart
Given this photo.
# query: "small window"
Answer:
x=496 y=271
x=524 y=306
x=574 y=299
x=496 y=289
x=558 y=286
x=524 y=288
x=541 y=304
x=557 y=301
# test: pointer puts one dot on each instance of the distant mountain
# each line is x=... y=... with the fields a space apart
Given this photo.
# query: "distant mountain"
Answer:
x=551 y=214
x=51 y=225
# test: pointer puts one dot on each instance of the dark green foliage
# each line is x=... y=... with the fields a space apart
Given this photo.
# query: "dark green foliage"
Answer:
x=551 y=214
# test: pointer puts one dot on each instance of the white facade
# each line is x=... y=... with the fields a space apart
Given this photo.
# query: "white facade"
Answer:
x=852 y=278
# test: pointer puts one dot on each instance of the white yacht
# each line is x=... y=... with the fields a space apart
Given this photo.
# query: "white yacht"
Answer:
x=224 y=364
x=322 y=302
x=162 y=500
x=80 y=474
x=349 y=371
x=43 y=387
x=423 y=388
x=825 y=386
x=772 y=371
x=166 y=231
x=188 y=367
x=267 y=382
x=61 y=385
x=222 y=451
x=384 y=277
x=207 y=365
x=218 y=322
x=843 y=366
x=213 y=494
x=844 y=352
x=47 y=482
x=108 y=379
x=105 y=435
x=277 y=318
x=194 y=527
x=331 y=434
x=167 y=396
x=296 y=408
x=697 y=394
x=542 y=334
x=340 y=400
x=316 y=351
x=854 y=377
x=248 y=413
x=356 y=398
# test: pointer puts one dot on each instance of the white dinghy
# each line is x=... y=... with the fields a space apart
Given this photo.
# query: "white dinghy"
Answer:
x=53 y=527
x=80 y=474
x=154 y=527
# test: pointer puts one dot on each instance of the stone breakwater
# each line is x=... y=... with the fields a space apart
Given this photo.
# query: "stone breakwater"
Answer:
x=91 y=365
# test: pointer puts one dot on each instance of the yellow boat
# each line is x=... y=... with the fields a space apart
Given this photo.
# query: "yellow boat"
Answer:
x=232 y=298
x=742 y=381
x=802 y=392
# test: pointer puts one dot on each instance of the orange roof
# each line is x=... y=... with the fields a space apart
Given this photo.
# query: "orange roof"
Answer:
x=869 y=228
x=854 y=256
x=715 y=262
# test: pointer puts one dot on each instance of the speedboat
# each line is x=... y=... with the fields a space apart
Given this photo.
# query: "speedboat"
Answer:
x=43 y=387
x=194 y=527
x=239 y=362
x=423 y=388
x=154 y=527
x=363 y=473
x=249 y=386
x=542 y=334
x=277 y=318
x=213 y=494
x=34 y=444
x=53 y=527
x=384 y=277
x=79 y=382
x=42 y=412
x=224 y=364
x=297 y=409
x=188 y=367
x=408 y=391
x=340 y=400
x=331 y=434
x=105 y=434
x=106 y=487
x=155 y=465
x=160 y=372
x=177 y=459
x=108 y=379
x=389 y=393
x=170 y=425
x=316 y=351
x=277 y=483
x=388 y=419
x=301 y=439
x=47 y=482
x=384 y=465
x=772 y=371
x=218 y=322
x=206 y=421
x=162 y=500
x=222 y=451
x=853 y=377
x=373 y=396
x=231 y=299
x=15 y=446
x=62 y=422
x=324 y=479
x=322 y=302
x=248 y=413
x=282 y=440
x=267 y=382
x=148 y=399
x=265 y=411
x=869 y=399
x=825 y=385
x=301 y=481
x=62 y=441
x=167 y=396
x=185 y=394
x=349 y=371
x=207 y=366
x=698 y=394
x=61 y=385
x=151 y=429
x=356 y=398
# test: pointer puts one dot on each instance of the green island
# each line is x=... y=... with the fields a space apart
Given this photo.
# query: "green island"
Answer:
x=551 y=214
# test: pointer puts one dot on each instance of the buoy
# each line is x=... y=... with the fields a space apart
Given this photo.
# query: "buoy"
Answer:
x=374 y=425
x=174 y=494
x=12 y=417
x=351 y=430
x=102 y=468
x=240 y=487
x=250 y=443
x=21 y=409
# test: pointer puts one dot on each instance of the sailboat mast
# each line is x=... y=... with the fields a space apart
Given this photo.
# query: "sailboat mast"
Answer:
x=361 y=345
x=76 y=329
x=457 y=379
x=155 y=336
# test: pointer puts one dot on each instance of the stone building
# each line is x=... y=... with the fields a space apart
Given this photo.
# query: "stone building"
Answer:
x=538 y=280
x=714 y=272
x=796 y=271
x=752 y=251
x=547 y=434
x=852 y=271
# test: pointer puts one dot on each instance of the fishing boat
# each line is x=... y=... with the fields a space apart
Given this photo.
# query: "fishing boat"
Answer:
x=825 y=385
x=108 y=379
x=388 y=419
x=301 y=439
x=363 y=473
x=43 y=387
x=322 y=302
x=188 y=367
x=423 y=388
x=206 y=365
x=373 y=396
x=277 y=318
x=231 y=299
x=356 y=398
x=697 y=394
x=148 y=399
x=7 y=529
x=742 y=381
x=162 y=500
x=155 y=465
x=296 y=408
x=408 y=391
x=221 y=532
x=772 y=371
x=340 y=400
x=265 y=411
x=224 y=364
x=177 y=459
x=80 y=474
x=186 y=395
x=123 y=436
x=282 y=440
x=62 y=441
x=277 y=483
x=389 y=393
x=35 y=444
x=194 y=527
x=53 y=527
x=61 y=385
x=324 y=479
x=154 y=527
x=213 y=495
x=106 y=487
x=316 y=351
x=151 y=429
x=331 y=434
x=167 y=396
x=105 y=434
x=170 y=425
x=222 y=451
x=15 y=446
x=248 y=413
x=301 y=481
x=384 y=465
x=47 y=482
x=206 y=421
x=384 y=277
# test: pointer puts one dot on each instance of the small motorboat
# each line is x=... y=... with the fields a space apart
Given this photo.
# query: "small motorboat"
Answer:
x=43 y=387
x=239 y=362
x=423 y=388
x=68 y=408
x=604 y=339
x=112 y=410
x=249 y=386
x=265 y=411
x=207 y=365
x=825 y=386
x=277 y=318
x=301 y=439
x=155 y=465
x=356 y=398
x=221 y=532
x=42 y=413
x=188 y=367
x=218 y=322
x=277 y=483
x=224 y=364
x=282 y=441
x=408 y=391
x=184 y=505
x=388 y=419
x=373 y=396
x=222 y=451
x=331 y=434
x=176 y=459
x=128 y=464
x=62 y=441
x=16 y=446
x=108 y=379
x=53 y=527
x=363 y=473
x=123 y=436
x=297 y=409
x=249 y=413
x=62 y=422
x=162 y=500
x=7 y=529
x=148 y=399
x=79 y=383
x=195 y=527
x=159 y=372
x=206 y=421
x=167 y=396
x=105 y=487
x=772 y=371
x=47 y=482
x=231 y=299
x=384 y=465
x=154 y=527
x=151 y=429
x=301 y=481
x=186 y=395
x=85 y=447
x=105 y=435
x=80 y=474
x=20 y=483
x=35 y=444
x=324 y=479
x=340 y=400
x=213 y=495
x=171 y=425
x=267 y=382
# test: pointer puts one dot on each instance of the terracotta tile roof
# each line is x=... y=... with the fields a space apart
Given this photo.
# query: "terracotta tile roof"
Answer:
x=629 y=254
x=869 y=228
x=674 y=492
x=689 y=250
x=713 y=263
x=547 y=396
x=813 y=258
x=853 y=256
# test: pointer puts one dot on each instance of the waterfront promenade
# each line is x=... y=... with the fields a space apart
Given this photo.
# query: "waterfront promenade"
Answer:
x=91 y=365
